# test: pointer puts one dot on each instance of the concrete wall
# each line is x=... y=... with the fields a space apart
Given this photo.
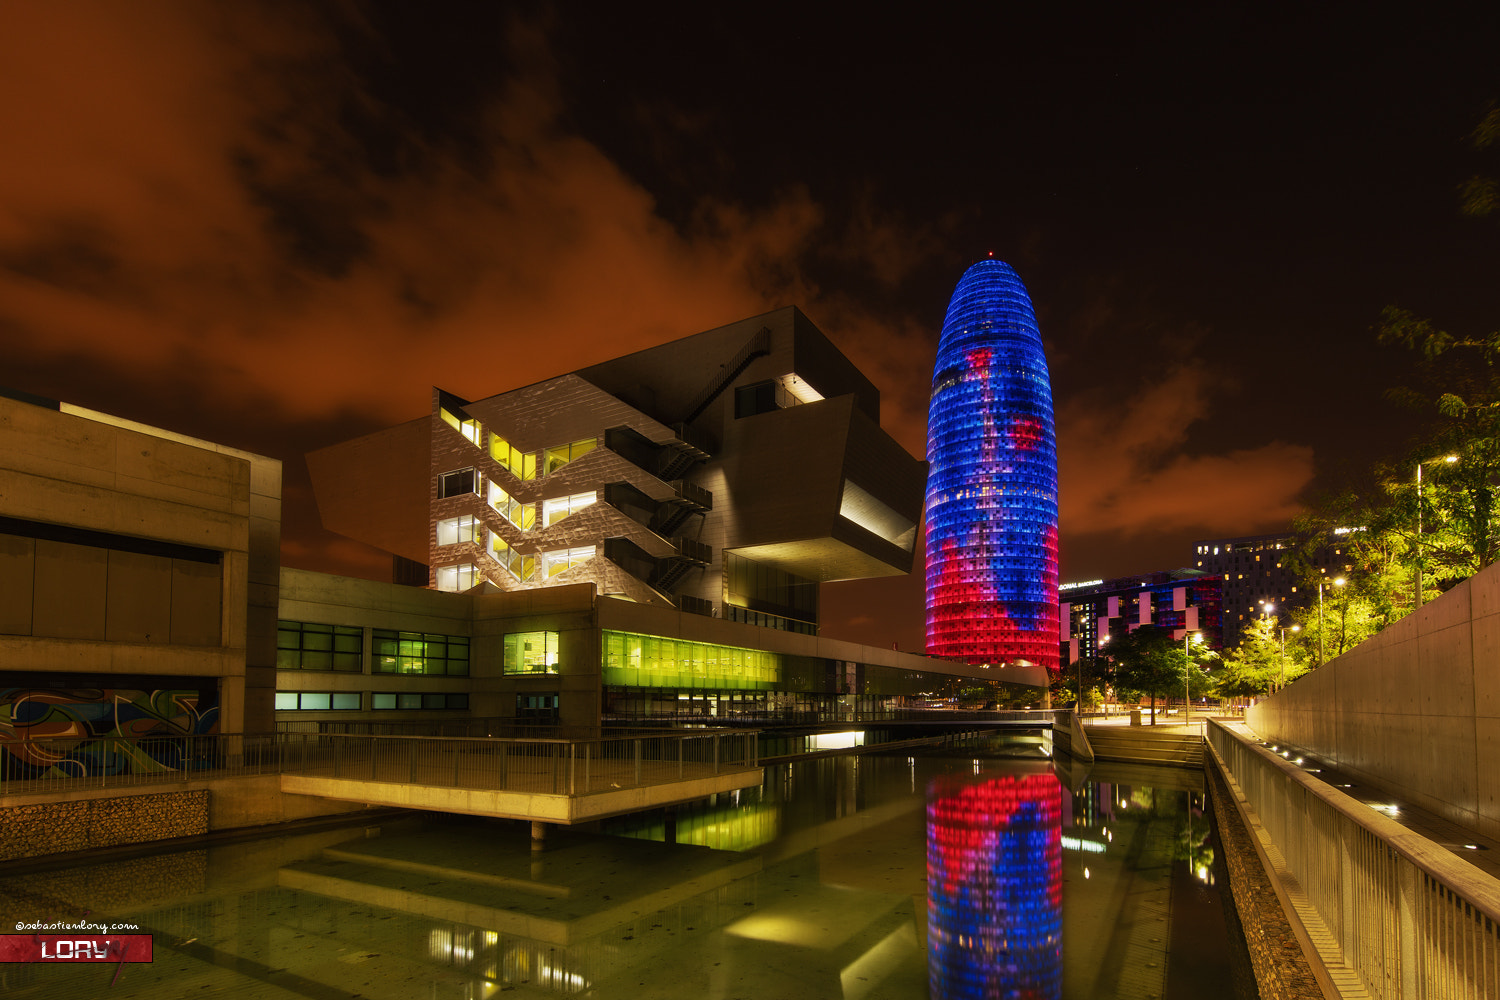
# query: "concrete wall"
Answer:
x=40 y=828
x=82 y=818
x=92 y=610
x=1415 y=708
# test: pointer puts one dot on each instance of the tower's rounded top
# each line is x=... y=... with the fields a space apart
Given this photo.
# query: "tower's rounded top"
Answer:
x=989 y=304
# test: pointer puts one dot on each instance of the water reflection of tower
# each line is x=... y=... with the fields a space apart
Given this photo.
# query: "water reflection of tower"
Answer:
x=994 y=887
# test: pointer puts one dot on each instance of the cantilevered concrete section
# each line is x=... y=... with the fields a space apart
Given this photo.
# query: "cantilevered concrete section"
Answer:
x=534 y=806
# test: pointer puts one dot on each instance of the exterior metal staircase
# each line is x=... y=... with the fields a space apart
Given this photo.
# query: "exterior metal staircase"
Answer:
x=757 y=346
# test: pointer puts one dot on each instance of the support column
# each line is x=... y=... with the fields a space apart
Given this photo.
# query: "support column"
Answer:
x=538 y=835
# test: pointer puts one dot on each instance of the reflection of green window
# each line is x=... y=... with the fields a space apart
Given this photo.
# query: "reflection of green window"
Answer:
x=561 y=455
x=308 y=646
x=420 y=653
x=657 y=661
x=531 y=653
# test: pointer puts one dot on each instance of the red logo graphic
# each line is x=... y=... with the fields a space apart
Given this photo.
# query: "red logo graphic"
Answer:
x=75 y=947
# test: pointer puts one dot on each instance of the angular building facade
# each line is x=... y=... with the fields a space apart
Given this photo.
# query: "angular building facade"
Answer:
x=726 y=474
x=992 y=480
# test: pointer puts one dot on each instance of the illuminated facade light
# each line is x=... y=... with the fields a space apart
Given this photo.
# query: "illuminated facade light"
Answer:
x=992 y=485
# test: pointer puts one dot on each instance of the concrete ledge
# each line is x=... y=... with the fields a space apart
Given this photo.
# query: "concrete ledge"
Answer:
x=562 y=809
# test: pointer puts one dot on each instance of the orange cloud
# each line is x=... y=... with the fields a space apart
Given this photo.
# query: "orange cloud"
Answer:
x=1122 y=470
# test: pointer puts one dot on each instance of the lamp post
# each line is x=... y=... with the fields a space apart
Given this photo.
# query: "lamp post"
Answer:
x=1187 y=675
x=1449 y=459
x=1338 y=581
x=1267 y=608
x=1295 y=628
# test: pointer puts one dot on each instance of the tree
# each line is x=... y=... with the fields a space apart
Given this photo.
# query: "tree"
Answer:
x=1454 y=524
x=1096 y=675
x=1257 y=664
x=1148 y=661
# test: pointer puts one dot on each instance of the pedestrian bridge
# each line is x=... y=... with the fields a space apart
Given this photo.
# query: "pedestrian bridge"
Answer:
x=542 y=780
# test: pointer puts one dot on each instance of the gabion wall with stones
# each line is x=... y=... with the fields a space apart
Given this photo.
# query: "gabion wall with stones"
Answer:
x=32 y=831
x=1281 y=970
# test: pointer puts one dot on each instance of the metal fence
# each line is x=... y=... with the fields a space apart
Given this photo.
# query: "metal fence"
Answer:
x=535 y=765
x=1411 y=920
x=538 y=766
x=62 y=763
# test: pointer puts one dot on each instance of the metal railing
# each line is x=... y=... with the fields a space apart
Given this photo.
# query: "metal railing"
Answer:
x=834 y=716
x=534 y=765
x=1411 y=920
x=66 y=763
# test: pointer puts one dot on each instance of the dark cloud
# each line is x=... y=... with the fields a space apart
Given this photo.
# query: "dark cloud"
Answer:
x=278 y=224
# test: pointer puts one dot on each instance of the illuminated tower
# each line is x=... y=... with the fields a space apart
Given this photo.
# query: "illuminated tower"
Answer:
x=992 y=482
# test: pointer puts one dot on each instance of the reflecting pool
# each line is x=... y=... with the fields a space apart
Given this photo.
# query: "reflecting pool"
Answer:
x=981 y=871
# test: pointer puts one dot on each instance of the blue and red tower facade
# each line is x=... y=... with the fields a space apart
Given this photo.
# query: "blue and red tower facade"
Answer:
x=992 y=481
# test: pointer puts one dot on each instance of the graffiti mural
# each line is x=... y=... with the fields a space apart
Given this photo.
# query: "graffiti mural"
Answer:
x=46 y=732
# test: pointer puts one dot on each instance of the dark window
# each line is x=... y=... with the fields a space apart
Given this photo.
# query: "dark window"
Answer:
x=456 y=484
x=308 y=646
x=752 y=399
x=420 y=653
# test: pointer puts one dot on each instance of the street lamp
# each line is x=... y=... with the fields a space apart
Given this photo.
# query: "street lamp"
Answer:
x=1449 y=459
x=1187 y=675
x=1295 y=628
x=1338 y=581
x=1267 y=608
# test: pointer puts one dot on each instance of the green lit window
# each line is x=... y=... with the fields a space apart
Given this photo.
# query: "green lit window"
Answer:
x=308 y=646
x=561 y=455
x=420 y=653
x=556 y=561
x=531 y=653
x=637 y=660
x=518 y=463
x=453 y=530
x=556 y=509
x=317 y=701
x=468 y=428
x=522 y=515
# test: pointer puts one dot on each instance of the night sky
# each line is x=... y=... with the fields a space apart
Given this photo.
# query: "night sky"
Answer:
x=276 y=225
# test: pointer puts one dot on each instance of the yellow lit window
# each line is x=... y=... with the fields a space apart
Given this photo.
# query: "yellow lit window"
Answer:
x=518 y=463
x=468 y=428
x=556 y=458
x=556 y=509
